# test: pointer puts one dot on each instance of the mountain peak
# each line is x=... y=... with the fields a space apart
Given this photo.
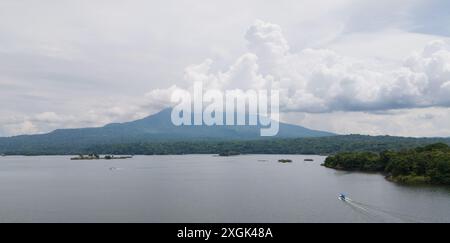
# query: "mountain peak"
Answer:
x=154 y=128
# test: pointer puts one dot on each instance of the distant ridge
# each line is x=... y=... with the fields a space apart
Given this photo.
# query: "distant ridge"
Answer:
x=154 y=128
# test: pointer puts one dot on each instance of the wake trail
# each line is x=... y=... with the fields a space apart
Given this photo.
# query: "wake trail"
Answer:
x=363 y=211
x=398 y=215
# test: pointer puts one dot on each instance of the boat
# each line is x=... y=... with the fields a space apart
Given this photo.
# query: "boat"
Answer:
x=344 y=198
x=310 y=160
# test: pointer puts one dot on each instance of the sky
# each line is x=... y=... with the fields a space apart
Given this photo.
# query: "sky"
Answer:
x=349 y=66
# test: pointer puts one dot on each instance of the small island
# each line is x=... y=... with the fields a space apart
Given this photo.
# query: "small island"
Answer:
x=97 y=157
x=285 y=161
x=422 y=165
x=229 y=153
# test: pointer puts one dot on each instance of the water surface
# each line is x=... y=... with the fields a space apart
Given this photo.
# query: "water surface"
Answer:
x=206 y=188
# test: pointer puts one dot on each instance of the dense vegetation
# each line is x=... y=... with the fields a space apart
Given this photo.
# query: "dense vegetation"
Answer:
x=429 y=164
x=322 y=145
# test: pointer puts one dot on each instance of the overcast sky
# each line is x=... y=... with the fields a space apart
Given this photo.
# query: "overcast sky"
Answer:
x=348 y=66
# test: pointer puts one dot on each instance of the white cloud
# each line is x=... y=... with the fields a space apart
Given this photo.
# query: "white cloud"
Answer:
x=24 y=127
x=321 y=80
x=323 y=83
x=267 y=41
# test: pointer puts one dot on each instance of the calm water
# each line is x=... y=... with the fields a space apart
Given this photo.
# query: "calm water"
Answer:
x=205 y=188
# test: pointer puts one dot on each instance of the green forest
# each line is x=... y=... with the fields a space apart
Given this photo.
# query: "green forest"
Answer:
x=320 y=145
x=423 y=165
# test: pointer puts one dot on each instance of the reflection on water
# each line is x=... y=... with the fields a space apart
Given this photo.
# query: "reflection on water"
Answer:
x=206 y=188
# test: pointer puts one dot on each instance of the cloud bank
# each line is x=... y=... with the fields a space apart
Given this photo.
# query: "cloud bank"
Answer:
x=323 y=81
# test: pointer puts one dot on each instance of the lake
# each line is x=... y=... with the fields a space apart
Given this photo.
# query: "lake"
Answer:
x=206 y=188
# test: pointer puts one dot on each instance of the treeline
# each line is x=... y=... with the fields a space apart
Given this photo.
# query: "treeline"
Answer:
x=429 y=164
x=321 y=146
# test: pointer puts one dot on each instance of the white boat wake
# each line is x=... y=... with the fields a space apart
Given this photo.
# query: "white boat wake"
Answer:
x=374 y=212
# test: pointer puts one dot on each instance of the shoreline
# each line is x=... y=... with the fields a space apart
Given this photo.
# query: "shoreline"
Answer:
x=399 y=180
